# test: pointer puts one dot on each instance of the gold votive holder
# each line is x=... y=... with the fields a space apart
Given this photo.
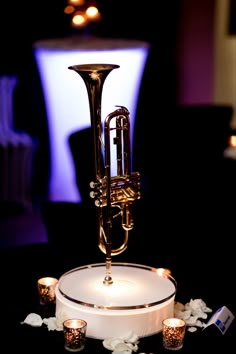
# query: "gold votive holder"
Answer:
x=74 y=334
x=173 y=333
x=46 y=290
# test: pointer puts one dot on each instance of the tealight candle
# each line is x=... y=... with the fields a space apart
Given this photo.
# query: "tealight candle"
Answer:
x=74 y=334
x=173 y=332
x=164 y=272
x=230 y=151
x=46 y=290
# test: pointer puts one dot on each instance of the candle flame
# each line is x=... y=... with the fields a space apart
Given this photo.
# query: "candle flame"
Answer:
x=163 y=271
x=232 y=141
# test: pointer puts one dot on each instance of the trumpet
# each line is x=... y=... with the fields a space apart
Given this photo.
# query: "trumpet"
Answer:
x=113 y=196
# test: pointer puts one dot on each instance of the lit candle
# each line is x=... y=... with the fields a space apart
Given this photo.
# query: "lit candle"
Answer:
x=230 y=151
x=74 y=334
x=139 y=299
x=173 y=332
x=163 y=272
x=46 y=290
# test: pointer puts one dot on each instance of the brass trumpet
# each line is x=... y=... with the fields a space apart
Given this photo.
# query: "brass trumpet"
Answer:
x=114 y=195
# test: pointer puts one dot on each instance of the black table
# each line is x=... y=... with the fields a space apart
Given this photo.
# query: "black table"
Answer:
x=22 y=266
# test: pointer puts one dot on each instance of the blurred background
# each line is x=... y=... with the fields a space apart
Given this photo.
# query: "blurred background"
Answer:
x=185 y=112
x=22 y=25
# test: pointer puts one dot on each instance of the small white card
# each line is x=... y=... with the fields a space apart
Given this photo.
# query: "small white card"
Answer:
x=222 y=319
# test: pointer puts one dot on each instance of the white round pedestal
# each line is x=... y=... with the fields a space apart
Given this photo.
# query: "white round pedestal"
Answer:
x=138 y=300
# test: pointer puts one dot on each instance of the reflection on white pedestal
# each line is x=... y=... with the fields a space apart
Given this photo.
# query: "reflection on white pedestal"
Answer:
x=66 y=98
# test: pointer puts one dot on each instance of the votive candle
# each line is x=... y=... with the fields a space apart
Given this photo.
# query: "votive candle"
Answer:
x=173 y=333
x=74 y=334
x=46 y=290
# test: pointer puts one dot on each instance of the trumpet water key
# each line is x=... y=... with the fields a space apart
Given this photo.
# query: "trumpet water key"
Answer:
x=114 y=195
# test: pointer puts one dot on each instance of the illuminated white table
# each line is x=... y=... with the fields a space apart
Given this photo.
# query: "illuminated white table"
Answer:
x=66 y=98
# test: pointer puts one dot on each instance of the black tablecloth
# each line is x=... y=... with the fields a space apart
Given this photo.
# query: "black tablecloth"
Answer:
x=20 y=269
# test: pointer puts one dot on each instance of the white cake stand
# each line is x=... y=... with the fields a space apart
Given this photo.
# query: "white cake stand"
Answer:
x=139 y=298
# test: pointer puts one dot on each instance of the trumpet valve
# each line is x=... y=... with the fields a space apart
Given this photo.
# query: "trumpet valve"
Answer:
x=96 y=192
x=123 y=189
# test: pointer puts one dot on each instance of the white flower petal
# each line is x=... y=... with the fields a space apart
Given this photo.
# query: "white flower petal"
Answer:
x=52 y=324
x=33 y=319
x=206 y=309
x=133 y=347
x=130 y=337
x=111 y=343
x=127 y=351
x=192 y=329
x=179 y=306
x=122 y=347
x=191 y=320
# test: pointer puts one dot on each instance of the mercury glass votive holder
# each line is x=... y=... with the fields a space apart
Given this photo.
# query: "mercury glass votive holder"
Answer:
x=74 y=334
x=173 y=333
x=46 y=290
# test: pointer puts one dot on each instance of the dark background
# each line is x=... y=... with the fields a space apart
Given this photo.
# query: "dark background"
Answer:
x=187 y=220
x=21 y=25
x=232 y=17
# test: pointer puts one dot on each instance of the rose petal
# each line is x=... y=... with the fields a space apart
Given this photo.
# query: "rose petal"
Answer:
x=122 y=347
x=33 y=319
x=111 y=343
